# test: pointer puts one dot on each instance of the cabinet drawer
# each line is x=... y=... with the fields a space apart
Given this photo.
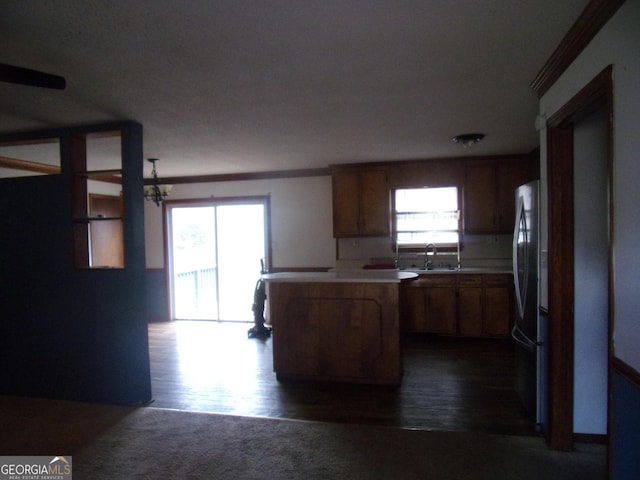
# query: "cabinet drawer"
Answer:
x=497 y=279
x=470 y=280
x=440 y=280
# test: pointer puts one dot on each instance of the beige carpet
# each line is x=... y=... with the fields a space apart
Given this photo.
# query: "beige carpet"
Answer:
x=109 y=442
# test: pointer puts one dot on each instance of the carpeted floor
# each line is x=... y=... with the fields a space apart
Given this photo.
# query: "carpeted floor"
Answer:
x=110 y=442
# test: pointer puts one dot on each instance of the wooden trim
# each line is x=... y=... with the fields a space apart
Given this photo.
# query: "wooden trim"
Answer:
x=596 y=14
x=211 y=201
x=590 y=438
x=597 y=94
x=29 y=166
x=107 y=179
x=6 y=140
x=299 y=269
x=585 y=102
x=235 y=177
x=321 y=172
x=45 y=168
x=561 y=287
x=422 y=161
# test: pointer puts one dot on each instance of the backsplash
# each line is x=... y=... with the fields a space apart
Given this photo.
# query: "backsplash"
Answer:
x=478 y=251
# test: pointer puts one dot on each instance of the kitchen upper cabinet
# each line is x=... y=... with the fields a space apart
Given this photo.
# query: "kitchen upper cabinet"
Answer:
x=510 y=175
x=498 y=305
x=362 y=193
x=489 y=195
x=480 y=199
x=361 y=203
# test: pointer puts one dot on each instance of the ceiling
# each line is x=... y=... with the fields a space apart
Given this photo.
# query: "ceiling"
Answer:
x=235 y=86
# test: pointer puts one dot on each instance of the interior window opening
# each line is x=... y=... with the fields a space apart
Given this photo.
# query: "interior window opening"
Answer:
x=30 y=158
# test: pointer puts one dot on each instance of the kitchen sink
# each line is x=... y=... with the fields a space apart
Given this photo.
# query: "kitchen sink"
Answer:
x=427 y=270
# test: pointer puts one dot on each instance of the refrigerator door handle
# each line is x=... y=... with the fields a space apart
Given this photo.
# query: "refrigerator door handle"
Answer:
x=521 y=339
x=520 y=231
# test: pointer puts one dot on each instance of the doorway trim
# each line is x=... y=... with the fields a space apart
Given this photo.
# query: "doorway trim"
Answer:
x=560 y=149
x=203 y=202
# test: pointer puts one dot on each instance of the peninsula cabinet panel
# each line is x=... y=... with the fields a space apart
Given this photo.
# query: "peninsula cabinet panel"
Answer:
x=361 y=205
x=347 y=332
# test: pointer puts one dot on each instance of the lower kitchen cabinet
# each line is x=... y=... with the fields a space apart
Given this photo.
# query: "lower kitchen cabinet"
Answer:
x=429 y=304
x=458 y=304
x=498 y=304
x=470 y=302
x=440 y=309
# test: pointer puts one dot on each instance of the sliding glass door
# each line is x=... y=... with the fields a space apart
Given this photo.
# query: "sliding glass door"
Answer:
x=214 y=250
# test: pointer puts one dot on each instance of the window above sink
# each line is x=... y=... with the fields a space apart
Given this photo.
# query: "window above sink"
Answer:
x=426 y=225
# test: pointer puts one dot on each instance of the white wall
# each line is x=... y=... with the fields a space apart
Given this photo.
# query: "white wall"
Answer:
x=618 y=43
x=301 y=218
x=591 y=246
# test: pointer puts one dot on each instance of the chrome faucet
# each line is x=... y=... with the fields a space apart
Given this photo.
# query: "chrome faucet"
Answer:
x=428 y=264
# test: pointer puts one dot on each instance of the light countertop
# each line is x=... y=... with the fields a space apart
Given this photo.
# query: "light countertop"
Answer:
x=464 y=270
x=343 y=276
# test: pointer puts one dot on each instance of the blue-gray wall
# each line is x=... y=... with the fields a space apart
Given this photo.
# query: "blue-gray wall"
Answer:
x=67 y=333
x=157 y=296
x=626 y=428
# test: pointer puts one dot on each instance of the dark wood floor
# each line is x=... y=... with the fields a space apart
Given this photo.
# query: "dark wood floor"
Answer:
x=449 y=383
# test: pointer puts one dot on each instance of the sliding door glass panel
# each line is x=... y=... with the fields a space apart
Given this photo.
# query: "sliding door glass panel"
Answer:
x=193 y=257
x=241 y=246
x=215 y=253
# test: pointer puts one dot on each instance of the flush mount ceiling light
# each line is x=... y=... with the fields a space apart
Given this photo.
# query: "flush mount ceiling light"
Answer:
x=156 y=192
x=468 y=139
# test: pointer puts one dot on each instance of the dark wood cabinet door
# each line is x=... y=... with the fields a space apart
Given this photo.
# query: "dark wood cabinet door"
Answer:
x=470 y=310
x=497 y=308
x=375 y=208
x=441 y=310
x=510 y=176
x=346 y=204
x=480 y=199
x=361 y=203
x=413 y=312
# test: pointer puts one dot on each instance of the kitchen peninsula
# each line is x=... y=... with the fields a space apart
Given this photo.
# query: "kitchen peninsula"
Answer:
x=336 y=326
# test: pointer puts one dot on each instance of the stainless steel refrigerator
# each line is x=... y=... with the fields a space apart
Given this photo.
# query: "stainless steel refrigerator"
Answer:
x=529 y=331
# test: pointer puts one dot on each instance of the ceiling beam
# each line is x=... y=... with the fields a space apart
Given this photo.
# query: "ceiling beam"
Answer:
x=27 y=165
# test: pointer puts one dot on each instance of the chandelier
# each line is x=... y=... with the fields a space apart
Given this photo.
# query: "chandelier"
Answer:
x=156 y=192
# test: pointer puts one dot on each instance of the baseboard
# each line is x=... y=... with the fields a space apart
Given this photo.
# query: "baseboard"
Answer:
x=590 y=438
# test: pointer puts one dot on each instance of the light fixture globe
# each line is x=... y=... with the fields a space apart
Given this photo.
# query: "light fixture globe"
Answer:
x=468 y=139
